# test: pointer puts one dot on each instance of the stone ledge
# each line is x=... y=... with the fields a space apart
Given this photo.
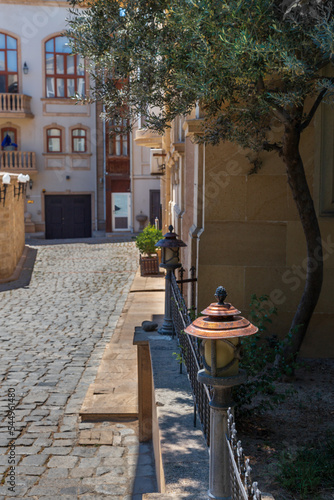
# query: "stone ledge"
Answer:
x=169 y=496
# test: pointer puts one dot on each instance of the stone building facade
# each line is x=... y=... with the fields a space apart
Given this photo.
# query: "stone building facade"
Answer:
x=82 y=180
x=243 y=231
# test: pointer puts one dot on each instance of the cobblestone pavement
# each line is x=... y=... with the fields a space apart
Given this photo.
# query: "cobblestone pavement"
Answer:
x=53 y=333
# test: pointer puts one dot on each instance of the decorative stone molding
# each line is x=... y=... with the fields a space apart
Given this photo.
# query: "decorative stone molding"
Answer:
x=148 y=138
x=193 y=127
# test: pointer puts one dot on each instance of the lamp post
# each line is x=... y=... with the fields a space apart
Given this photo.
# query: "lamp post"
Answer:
x=170 y=260
x=220 y=330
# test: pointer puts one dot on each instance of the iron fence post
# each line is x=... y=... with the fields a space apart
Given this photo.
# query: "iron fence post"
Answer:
x=192 y=276
x=219 y=476
x=181 y=272
x=167 y=327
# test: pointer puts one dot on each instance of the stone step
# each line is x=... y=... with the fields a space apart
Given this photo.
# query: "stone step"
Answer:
x=114 y=393
x=110 y=401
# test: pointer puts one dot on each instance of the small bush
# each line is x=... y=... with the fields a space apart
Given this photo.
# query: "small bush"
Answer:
x=259 y=355
x=147 y=239
x=308 y=470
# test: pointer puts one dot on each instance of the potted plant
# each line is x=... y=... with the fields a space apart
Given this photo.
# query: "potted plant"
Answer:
x=145 y=242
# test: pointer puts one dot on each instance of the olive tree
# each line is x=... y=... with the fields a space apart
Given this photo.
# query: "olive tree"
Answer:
x=249 y=65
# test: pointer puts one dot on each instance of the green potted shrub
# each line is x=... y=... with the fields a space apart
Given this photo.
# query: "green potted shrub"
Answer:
x=145 y=242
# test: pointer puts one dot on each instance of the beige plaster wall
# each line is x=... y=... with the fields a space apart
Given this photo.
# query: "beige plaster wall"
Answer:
x=11 y=231
x=253 y=241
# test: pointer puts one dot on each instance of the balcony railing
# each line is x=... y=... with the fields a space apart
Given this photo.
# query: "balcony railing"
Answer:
x=18 y=104
x=18 y=162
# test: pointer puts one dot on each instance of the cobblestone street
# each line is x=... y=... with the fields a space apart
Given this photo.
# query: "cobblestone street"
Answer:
x=53 y=333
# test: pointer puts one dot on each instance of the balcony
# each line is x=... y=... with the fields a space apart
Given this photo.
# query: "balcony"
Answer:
x=148 y=138
x=17 y=162
x=15 y=105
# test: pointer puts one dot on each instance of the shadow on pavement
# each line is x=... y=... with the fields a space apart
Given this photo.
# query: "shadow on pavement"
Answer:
x=25 y=276
x=88 y=241
x=145 y=477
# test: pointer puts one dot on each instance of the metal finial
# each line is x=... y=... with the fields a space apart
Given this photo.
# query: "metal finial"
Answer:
x=170 y=228
x=221 y=295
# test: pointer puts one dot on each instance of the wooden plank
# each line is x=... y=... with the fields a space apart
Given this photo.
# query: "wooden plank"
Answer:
x=110 y=401
x=145 y=387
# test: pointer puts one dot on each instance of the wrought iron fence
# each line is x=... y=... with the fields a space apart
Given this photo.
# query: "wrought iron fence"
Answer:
x=191 y=357
x=192 y=280
x=241 y=484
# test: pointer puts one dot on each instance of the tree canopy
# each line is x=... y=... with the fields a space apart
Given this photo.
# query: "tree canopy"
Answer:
x=242 y=61
x=249 y=64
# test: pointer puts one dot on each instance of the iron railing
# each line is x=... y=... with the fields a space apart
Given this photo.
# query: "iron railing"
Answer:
x=191 y=280
x=242 y=486
x=191 y=358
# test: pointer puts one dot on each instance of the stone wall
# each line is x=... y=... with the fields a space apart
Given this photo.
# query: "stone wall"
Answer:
x=253 y=241
x=11 y=229
x=243 y=231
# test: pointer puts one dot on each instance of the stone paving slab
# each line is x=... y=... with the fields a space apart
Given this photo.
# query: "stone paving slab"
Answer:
x=54 y=328
x=114 y=393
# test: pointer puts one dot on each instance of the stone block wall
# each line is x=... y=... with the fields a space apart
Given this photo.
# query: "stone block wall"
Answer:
x=253 y=241
x=11 y=230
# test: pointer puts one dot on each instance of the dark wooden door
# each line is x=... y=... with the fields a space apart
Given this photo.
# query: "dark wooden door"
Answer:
x=155 y=207
x=68 y=216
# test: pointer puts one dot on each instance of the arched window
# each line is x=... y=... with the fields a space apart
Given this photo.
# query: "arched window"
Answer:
x=79 y=140
x=8 y=64
x=53 y=140
x=8 y=138
x=65 y=72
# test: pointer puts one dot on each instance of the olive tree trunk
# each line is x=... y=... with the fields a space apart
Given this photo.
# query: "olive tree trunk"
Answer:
x=314 y=272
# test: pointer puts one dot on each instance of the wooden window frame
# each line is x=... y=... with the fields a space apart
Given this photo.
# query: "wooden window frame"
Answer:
x=6 y=72
x=64 y=76
x=54 y=136
x=79 y=137
x=112 y=134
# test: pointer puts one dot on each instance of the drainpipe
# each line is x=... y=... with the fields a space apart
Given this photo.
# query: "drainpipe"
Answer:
x=104 y=167
x=132 y=205
x=96 y=179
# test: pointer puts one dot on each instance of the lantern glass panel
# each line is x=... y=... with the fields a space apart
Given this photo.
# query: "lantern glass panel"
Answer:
x=172 y=255
x=225 y=354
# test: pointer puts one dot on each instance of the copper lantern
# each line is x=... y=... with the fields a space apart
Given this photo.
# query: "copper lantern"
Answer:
x=220 y=329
